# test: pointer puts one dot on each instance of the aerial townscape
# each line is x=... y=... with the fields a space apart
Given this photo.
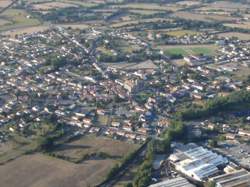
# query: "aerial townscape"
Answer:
x=125 y=93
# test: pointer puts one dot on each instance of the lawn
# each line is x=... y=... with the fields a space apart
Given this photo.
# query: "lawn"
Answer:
x=203 y=50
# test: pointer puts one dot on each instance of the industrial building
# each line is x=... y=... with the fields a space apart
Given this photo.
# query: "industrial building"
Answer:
x=240 y=178
x=177 y=182
x=196 y=162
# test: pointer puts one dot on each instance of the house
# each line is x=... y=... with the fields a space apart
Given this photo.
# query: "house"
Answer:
x=244 y=133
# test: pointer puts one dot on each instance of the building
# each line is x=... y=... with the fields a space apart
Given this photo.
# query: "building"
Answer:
x=177 y=182
x=196 y=162
x=244 y=132
x=240 y=178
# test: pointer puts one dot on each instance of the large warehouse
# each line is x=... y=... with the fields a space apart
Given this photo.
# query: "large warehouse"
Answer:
x=196 y=162
x=177 y=182
x=240 y=178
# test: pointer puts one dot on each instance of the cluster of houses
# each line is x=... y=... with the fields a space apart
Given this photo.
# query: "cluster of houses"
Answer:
x=136 y=102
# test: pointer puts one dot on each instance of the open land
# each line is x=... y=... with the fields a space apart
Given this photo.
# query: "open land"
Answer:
x=88 y=145
x=40 y=170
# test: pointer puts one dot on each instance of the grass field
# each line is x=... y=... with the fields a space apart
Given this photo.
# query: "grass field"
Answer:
x=39 y=171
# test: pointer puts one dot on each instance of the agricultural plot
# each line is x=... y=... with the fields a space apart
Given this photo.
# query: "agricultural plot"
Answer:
x=4 y=3
x=150 y=6
x=240 y=36
x=203 y=17
x=18 y=19
x=180 y=33
x=145 y=12
x=27 y=30
x=52 y=6
x=78 y=150
x=227 y=5
x=189 y=49
x=136 y=22
x=242 y=25
x=40 y=170
x=4 y=22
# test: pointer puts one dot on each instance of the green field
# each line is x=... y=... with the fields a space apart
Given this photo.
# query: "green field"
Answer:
x=176 y=51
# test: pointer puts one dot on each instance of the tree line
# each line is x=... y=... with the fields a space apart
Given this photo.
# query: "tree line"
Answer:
x=217 y=105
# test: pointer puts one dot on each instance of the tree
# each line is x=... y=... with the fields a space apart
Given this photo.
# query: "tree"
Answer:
x=213 y=143
x=128 y=185
x=210 y=184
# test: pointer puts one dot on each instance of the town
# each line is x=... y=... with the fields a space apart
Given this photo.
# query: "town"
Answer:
x=156 y=108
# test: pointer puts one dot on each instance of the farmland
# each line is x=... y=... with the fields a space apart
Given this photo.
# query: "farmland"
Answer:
x=52 y=5
x=40 y=170
x=241 y=36
x=17 y=19
x=4 y=3
x=203 y=17
x=79 y=149
x=189 y=49
x=149 y=6
x=180 y=33
x=243 y=25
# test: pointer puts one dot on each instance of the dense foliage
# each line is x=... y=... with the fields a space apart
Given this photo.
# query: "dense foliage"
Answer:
x=216 y=105
x=143 y=174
